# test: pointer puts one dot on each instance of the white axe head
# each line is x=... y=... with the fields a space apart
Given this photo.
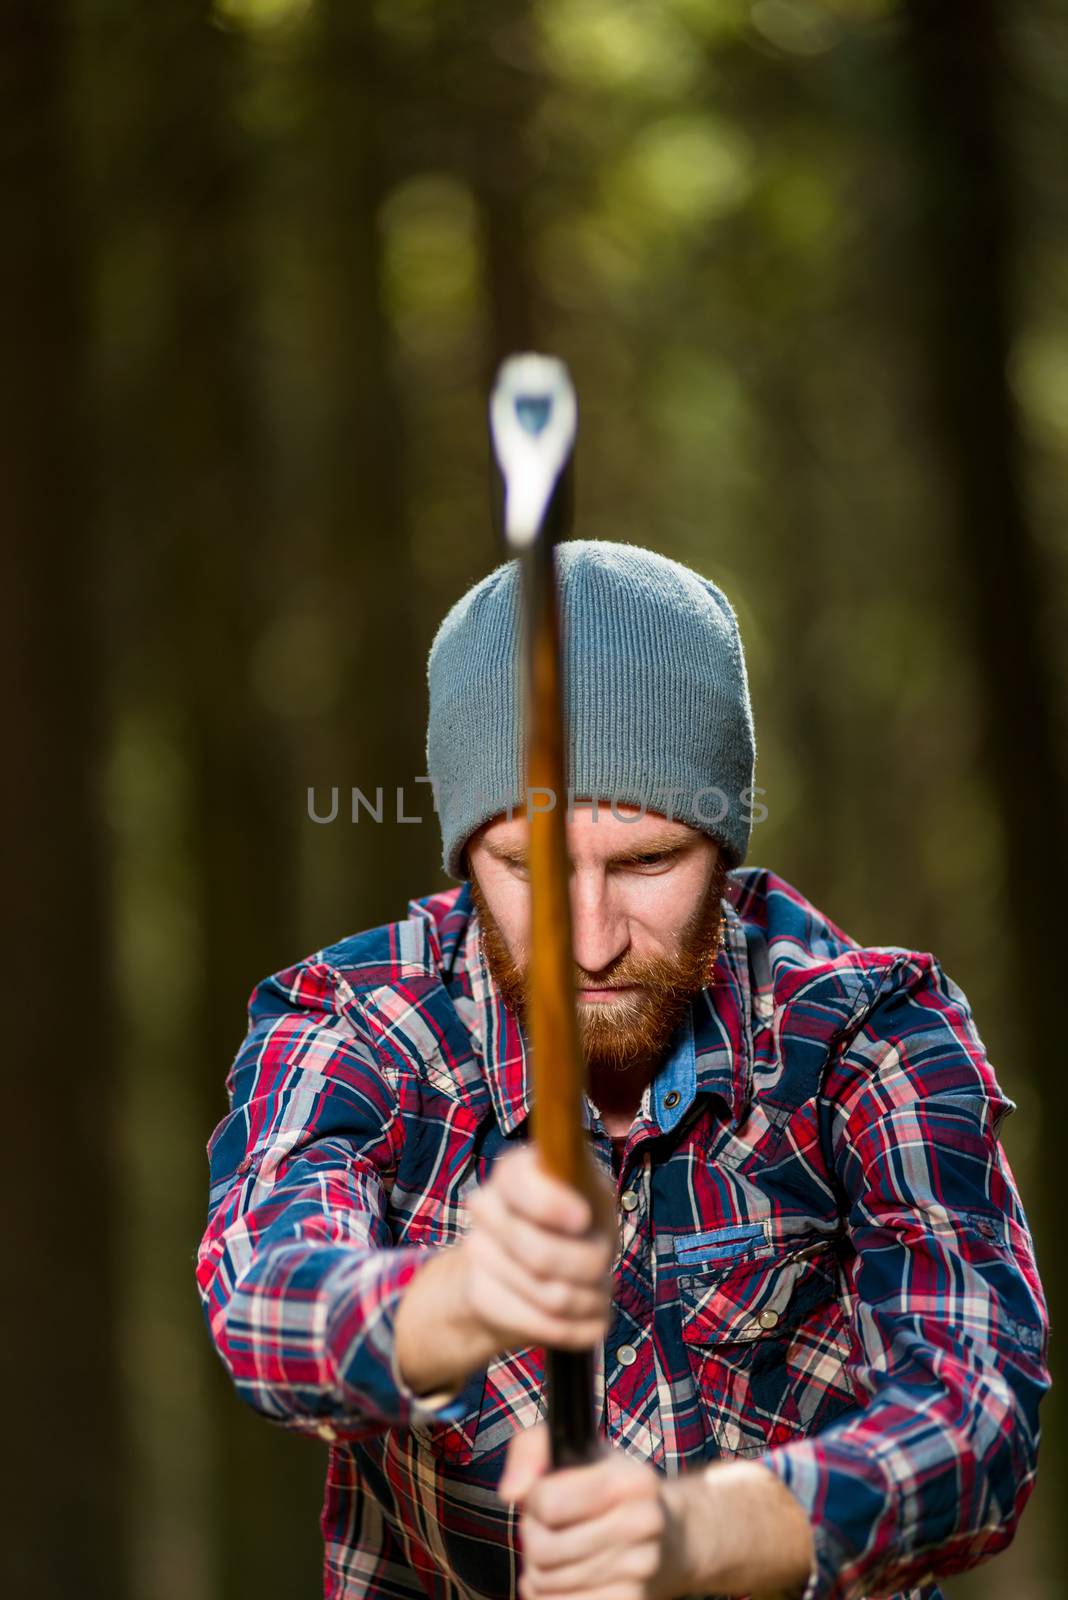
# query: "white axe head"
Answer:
x=533 y=418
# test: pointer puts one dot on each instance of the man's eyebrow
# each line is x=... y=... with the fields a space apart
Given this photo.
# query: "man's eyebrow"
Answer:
x=514 y=855
x=666 y=844
x=661 y=844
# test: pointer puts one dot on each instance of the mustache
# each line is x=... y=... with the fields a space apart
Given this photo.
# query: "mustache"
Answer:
x=662 y=975
x=622 y=1036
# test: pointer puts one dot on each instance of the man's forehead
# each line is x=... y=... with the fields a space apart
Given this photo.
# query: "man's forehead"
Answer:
x=595 y=833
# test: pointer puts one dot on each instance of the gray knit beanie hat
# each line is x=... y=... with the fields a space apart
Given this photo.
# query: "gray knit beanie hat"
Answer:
x=656 y=692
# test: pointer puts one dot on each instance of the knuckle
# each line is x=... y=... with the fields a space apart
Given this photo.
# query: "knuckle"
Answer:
x=476 y=1246
x=552 y=1510
x=645 y=1560
x=538 y=1256
x=509 y=1175
x=557 y=1296
x=572 y=1335
x=657 y=1518
x=592 y=1272
x=535 y=1538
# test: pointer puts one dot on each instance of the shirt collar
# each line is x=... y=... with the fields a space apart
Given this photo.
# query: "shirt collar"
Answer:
x=497 y=1036
x=711 y=1053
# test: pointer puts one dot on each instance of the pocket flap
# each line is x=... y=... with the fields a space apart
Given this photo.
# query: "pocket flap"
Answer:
x=761 y=1299
x=716 y=1246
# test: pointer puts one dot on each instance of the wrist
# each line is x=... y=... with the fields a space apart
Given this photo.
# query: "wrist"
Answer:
x=691 y=1536
x=735 y=1528
x=439 y=1341
x=469 y=1328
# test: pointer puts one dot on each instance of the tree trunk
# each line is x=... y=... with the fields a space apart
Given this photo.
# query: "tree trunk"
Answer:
x=966 y=254
x=200 y=584
x=62 y=1496
x=500 y=65
x=369 y=596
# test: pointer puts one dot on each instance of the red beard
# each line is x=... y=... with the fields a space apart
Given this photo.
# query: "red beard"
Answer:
x=636 y=1030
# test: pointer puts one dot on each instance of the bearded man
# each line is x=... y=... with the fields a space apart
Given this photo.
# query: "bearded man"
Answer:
x=818 y=1329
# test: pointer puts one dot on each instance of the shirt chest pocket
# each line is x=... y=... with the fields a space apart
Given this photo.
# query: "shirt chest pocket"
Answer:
x=767 y=1342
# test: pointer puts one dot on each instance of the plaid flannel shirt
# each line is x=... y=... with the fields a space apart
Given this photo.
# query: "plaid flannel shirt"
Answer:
x=823 y=1261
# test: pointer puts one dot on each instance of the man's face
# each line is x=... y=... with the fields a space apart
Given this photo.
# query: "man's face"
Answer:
x=646 y=923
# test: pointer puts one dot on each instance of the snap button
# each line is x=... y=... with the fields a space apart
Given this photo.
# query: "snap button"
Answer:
x=768 y=1320
x=629 y=1200
x=626 y=1355
x=671 y=1099
x=325 y=1431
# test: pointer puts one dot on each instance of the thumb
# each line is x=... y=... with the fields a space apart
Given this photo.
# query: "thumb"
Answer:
x=526 y=1462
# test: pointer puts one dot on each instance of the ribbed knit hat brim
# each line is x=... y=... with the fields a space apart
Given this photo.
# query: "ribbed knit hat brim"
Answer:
x=655 y=688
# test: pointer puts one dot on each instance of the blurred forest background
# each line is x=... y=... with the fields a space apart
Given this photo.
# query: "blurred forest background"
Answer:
x=808 y=260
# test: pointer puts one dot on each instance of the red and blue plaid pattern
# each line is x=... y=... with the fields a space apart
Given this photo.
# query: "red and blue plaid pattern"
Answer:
x=823 y=1259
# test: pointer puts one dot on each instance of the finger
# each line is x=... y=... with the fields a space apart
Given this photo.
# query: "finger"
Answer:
x=527 y=1460
x=535 y=1194
x=523 y=1321
x=579 y=1493
x=630 y=1564
x=547 y=1253
x=552 y=1297
x=626 y=1523
x=530 y=1589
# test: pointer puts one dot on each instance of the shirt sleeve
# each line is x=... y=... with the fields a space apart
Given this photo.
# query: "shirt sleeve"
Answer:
x=297 y=1272
x=949 y=1331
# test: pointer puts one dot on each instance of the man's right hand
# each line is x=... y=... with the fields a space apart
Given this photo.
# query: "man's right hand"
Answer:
x=533 y=1269
x=538 y=1258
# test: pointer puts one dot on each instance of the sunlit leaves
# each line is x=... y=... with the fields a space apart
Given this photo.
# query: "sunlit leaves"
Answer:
x=431 y=260
x=685 y=171
x=259 y=16
x=799 y=26
x=1039 y=376
x=617 y=44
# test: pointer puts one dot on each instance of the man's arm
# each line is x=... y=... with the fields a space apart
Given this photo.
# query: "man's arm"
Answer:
x=950 y=1325
x=298 y=1286
x=322 y=1321
x=533 y=1269
x=620 y=1527
x=950 y=1336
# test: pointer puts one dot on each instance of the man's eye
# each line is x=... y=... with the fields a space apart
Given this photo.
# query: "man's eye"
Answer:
x=654 y=859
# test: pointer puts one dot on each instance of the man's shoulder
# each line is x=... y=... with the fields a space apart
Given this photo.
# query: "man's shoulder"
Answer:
x=414 y=955
x=796 y=950
x=768 y=904
x=828 y=997
x=424 y=944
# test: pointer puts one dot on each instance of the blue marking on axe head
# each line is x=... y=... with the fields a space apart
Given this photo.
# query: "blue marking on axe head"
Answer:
x=532 y=412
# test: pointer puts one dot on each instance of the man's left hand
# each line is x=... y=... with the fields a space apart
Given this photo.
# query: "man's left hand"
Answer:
x=594 y=1531
x=620 y=1530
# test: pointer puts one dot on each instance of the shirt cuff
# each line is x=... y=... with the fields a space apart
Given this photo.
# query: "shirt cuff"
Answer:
x=443 y=1405
x=361 y=1338
x=851 y=1509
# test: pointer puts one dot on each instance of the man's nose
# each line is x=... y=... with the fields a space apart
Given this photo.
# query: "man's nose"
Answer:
x=598 y=932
